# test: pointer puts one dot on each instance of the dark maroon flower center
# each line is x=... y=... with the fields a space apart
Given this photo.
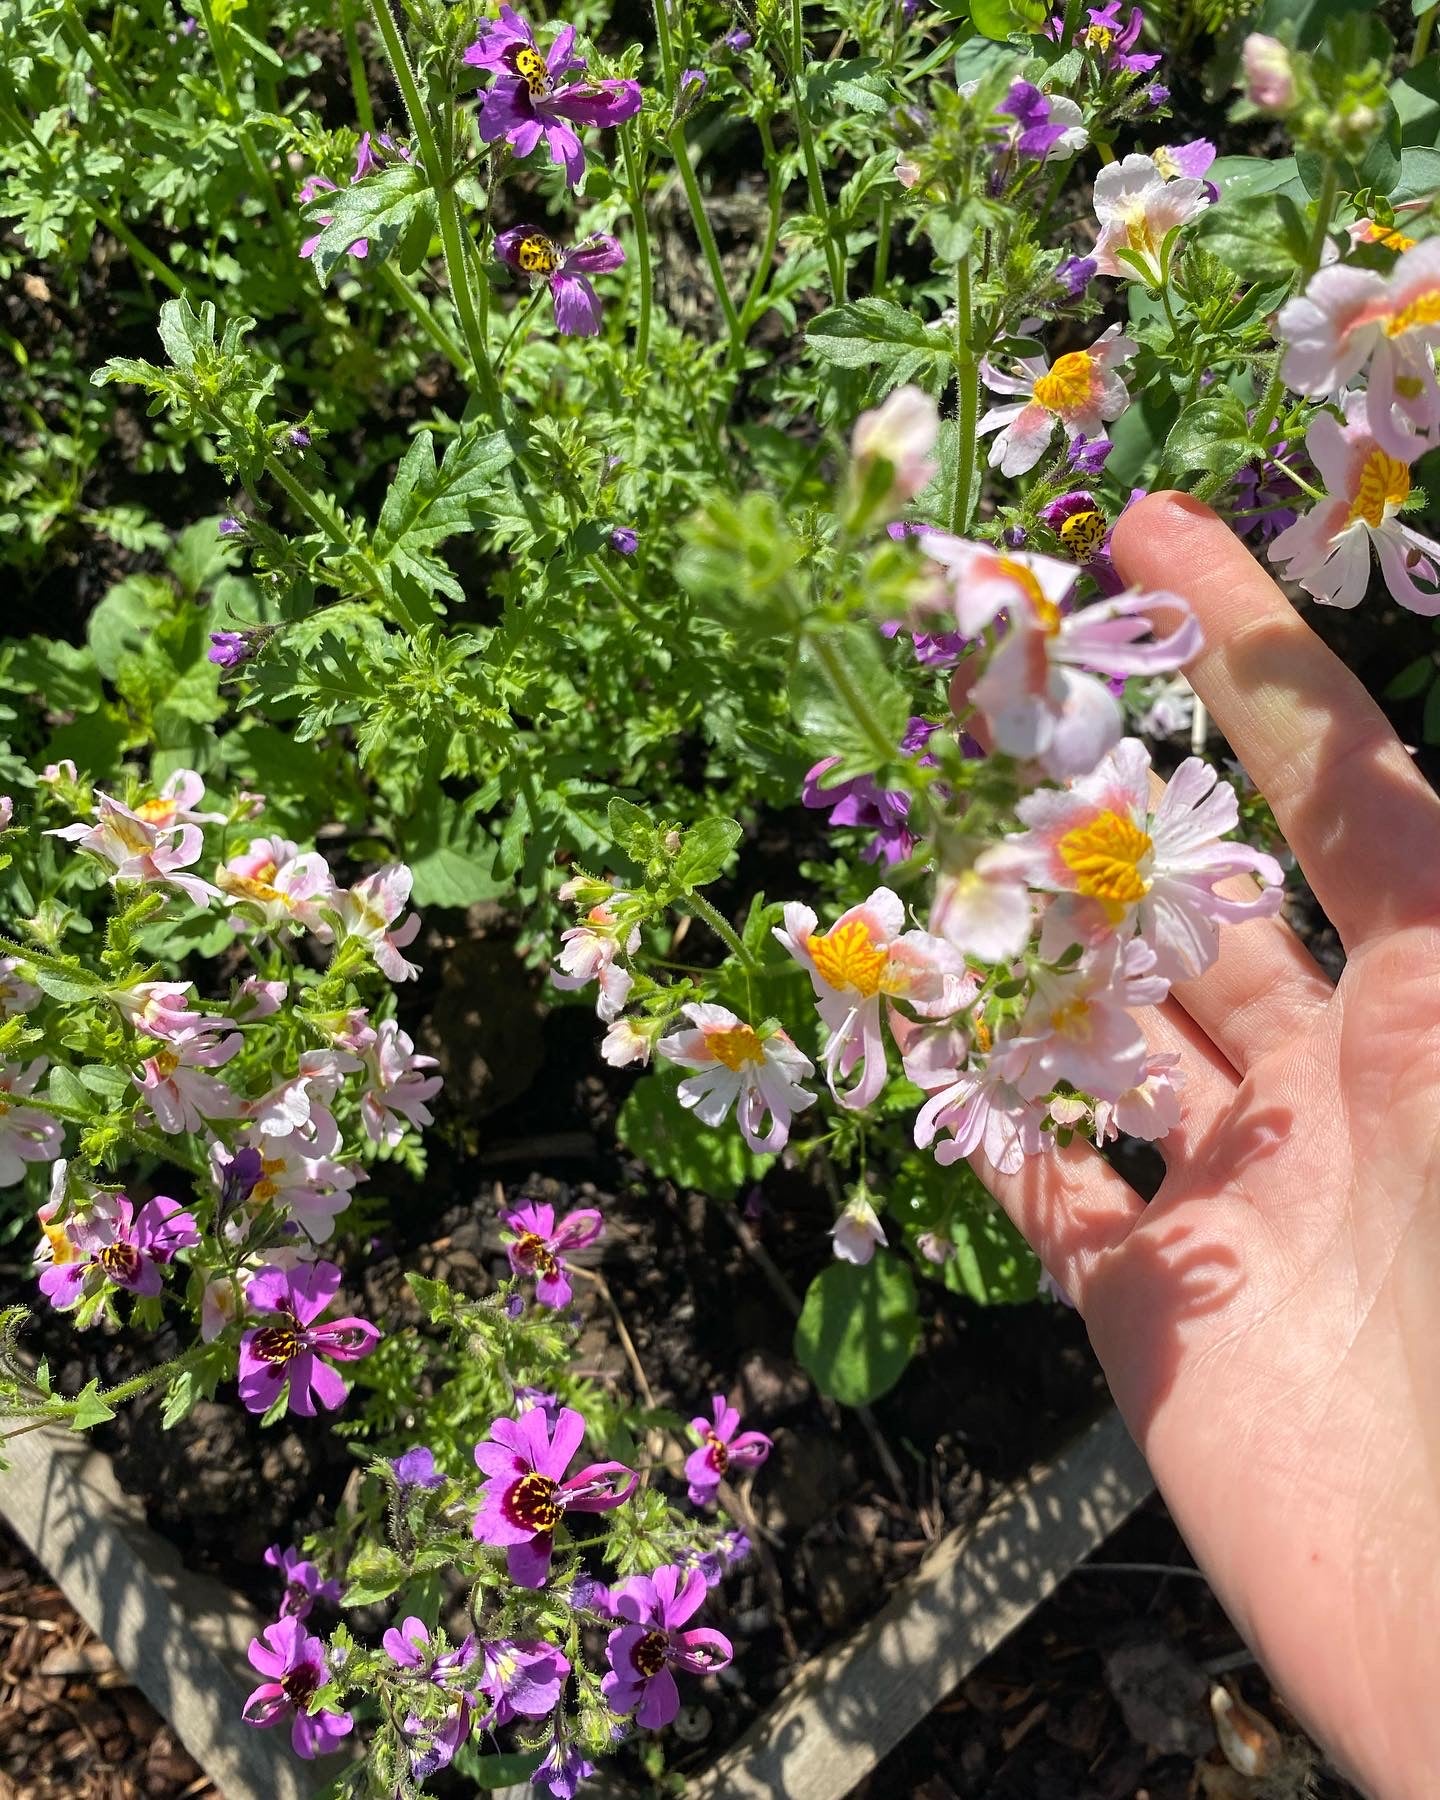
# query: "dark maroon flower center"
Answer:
x=529 y=65
x=530 y=1251
x=296 y=1593
x=278 y=1343
x=121 y=1262
x=300 y=1683
x=648 y=1655
x=717 y=1452
x=531 y=1503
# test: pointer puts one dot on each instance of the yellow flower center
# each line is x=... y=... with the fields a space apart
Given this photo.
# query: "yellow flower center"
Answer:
x=253 y=887
x=1105 y=856
x=1072 y=1020
x=1140 y=235
x=166 y=1062
x=61 y=1249
x=530 y=67
x=848 y=959
x=980 y=1034
x=267 y=1188
x=1099 y=37
x=1047 y=613
x=1423 y=310
x=1389 y=236
x=1165 y=163
x=156 y=812
x=736 y=1045
x=1384 y=485
x=1068 y=383
x=1082 y=534
x=537 y=255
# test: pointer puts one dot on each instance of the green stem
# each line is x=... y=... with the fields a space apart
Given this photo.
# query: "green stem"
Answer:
x=260 y=173
x=1324 y=211
x=968 y=382
x=832 y=666
x=765 y=266
x=424 y=316
x=681 y=152
x=142 y=258
x=369 y=581
x=364 y=108
x=882 y=249
x=720 y=925
x=1423 y=32
x=667 y=50
x=634 y=182
x=834 y=249
x=81 y=39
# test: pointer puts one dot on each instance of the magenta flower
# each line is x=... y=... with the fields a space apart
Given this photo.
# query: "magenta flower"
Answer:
x=294 y=1661
x=291 y=1348
x=228 y=649
x=1038 y=132
x=860 y=802
x=721 y=1450
x=537 y=1246
x=563 y=1768
x=416 y=1469
x=411 y=1648
x=304 y=1584
x=1114 y=40
x=643 y=1652
x=527 y=1493
x=522 y=1679
x=114 y=1243
x=532 y=95
x=577 y=305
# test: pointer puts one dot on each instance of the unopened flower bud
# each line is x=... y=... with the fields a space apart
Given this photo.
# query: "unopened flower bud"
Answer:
x=1269 y=73
x=230 y=526
x=891 y=448
x=624 y=540
x=691 y=85
x=738 y=41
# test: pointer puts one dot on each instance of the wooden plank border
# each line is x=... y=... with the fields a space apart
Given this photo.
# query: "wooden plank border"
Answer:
x=181 y=1637
x=848 y=1707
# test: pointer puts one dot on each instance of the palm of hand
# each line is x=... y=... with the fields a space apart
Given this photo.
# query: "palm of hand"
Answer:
x=1267 y=1322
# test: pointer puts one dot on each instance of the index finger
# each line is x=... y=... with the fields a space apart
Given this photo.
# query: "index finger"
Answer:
x=1352 y=805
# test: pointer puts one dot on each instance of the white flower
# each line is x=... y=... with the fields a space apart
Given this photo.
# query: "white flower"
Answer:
x=1269 y=73
x=397 y=1090
x=1147 y=1111
x=1137 y=207
x=16 y=996
x=902 y=432
x=368 y=912
x=1327 y=550
x=588 y=952
x=984 y=911
x=857 y=1231
x=175 y=1081
x=1080 y=393
x=26 y=1134
x=736 y=1066
x=625 y=1043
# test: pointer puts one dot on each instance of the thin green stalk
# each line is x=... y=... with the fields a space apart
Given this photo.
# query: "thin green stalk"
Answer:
x=353 y=556
x=765 y=266
x=1324 y=211
x=882 y=249
x=424 y=316
x=680 y=150
x=667 y=50
x=142 y=258
x=260 y=173
x=720 y=925
x=81 y=39
x=833 y=668
x=967 y=366
x=1423 y=33
x=635 y=192
x=364 y=107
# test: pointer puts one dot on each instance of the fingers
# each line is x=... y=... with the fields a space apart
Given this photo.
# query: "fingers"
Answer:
x=1362 y=820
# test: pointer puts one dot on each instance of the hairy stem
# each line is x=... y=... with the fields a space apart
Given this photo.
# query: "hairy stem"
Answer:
x=635 y=194
x=967 y=367
x=1324 y=211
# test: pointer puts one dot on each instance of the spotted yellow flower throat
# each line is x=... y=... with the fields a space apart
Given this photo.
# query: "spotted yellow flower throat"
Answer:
x=1384 y=486
x=1068 y=383
x=1105 y=857
x=847 y=959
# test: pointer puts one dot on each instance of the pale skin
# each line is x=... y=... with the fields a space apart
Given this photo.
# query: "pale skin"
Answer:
x=1268 y=1322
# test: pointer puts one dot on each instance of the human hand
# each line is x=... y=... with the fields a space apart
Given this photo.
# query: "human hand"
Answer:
x=1267 y=1323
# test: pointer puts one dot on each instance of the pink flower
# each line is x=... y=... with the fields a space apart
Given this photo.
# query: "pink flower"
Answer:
x=257 y=998
x=526 y=1494
x=293 y=1661
x=1327 y=550
x=856 y=1233
x=1348 y=317
x=1079 y=393
x=758 y=1074
x=1121 y=867
x=16 y=996
x=1078 y=1025
x=174 y=1081
x=162 y=1009
x=1149 y=1110
x=643 y=1652
x=277 y=886
x=983 y=911
x=311 y=1191
x=293 y=1347
x=1137 y=209
x=566 y=270
x=396 y=1089
x=140 y=851
x=1269 y=73
x=588 y=952
x=304 y=1584
x=984 y=1112
x=863 y=959
x=626 y=1043
x=299 y=1107
x=721 y=1450
x=538 y=1246
x=368 y=912
x=901 y=434
x=176 y=802
x=112 y=1242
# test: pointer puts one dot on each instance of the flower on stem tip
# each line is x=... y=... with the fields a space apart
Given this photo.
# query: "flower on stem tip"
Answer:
x=1327 y=550
x=757 y=1072
x=293 y=1662
x=577 y=305
x=723 y=1447
x=1137 y=208
x=293 y=1346
x=644 y=1650
x=113 y=1242
x=856 y=1233
x=588 y=952
x=534 y=95
x=1080 y=392
x=368 y=913
x=895 y=440
x=1048 y=127
x=304 y=1584
x=1113 y=40
x=537 y=1244
x=526 y=1494
x=279 y=885
x=142 y=850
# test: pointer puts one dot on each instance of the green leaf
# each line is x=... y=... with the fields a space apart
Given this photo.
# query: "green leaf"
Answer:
x=856 y=718
x=110 y=1083
x=858 y=1328
x=1416 y=99
x=429 y=502
x=1413 y=679
x=61 y=984
x=451 y=854
x=124 y=619
x=90 y=1409
x=630 y=829
x=705 y=852
x=674 y=1144
x=1260 y=233
x=1212 y=434
x=999 y=19
x=878 y=334
x=1238 y=177
x=378 y=209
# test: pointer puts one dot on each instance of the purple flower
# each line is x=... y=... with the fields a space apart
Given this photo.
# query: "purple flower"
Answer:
x=688 y=89
x=738 y=41
x=228 y=649
x=624 y=540
x=643 y=1652
x=416 y=1469
x=239 y=1178
x=522 y=1679
x=1156 y=95
x=304 y=1584
x=537 y=1246
x=113 y=1243
x=861 y=803
x=531 y=97
x=299 y=437
x=433 y=1743
x=577 y=305
x=1263 y=491
x=1086 y=456
x=563 y=1768
x=1038 y=133
x=529 y=1399
x=1189 y=160
x=721 y=1450
x=589 y=1595
x=294 y=1661
x=231 y=527
x=1114 y=40
x=410 y=1647
x=527 y=1494
x=291 y=1348
x=1075 y=274
x=728 y=1551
